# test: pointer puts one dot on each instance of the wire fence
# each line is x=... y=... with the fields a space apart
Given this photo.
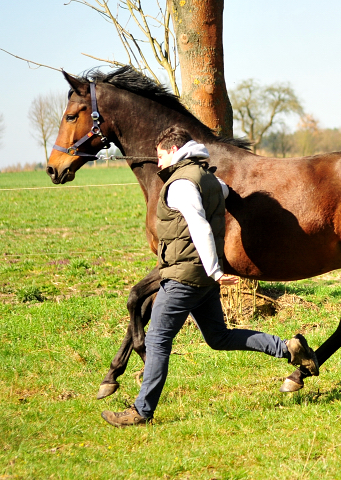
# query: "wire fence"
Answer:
x=94 y=252
x=67 y=187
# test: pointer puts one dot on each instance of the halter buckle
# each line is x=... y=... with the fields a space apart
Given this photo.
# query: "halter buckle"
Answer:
x=95 y=130
x=95 y=115
x=72 y=151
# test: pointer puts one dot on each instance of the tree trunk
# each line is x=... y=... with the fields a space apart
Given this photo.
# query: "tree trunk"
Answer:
x=46 y=154
x=198 y=26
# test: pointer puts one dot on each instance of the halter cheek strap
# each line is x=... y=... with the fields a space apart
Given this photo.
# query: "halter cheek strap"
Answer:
x=95 y=130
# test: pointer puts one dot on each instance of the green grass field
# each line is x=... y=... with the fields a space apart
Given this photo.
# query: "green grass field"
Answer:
x=69 y=257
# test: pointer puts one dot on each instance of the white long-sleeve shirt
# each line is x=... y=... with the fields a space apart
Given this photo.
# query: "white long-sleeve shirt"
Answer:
x=184 y=196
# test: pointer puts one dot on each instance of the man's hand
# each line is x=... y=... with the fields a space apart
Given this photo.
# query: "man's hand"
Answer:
x=228 y=280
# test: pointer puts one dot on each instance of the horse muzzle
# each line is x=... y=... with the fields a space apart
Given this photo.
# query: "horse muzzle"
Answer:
x=60 y=178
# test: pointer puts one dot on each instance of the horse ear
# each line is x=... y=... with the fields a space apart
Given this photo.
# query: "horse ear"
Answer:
x=79 y=87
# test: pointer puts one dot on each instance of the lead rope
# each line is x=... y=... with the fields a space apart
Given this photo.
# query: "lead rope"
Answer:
x=114 y=157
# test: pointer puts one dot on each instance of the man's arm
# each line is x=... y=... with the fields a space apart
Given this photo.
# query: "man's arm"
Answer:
x=185 y=197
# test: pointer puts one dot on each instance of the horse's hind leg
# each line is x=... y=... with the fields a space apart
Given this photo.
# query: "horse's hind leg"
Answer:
x=117 y=367
x=109 y=384
x=140 y=303
x=295 y=381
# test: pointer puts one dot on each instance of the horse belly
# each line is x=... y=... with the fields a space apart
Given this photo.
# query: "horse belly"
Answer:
x=281 y=240
x=262 y=259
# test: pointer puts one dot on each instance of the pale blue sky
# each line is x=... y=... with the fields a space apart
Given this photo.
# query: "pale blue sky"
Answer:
x=296 y=41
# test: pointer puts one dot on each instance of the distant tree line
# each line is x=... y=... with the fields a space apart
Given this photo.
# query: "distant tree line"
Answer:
x=308 y=139
x=262 y=112
x=258 y=109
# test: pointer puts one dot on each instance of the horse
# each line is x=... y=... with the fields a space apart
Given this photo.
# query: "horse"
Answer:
x=283 y=216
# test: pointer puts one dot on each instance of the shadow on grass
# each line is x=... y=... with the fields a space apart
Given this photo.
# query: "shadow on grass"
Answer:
x=318 y=397
x=314 y=292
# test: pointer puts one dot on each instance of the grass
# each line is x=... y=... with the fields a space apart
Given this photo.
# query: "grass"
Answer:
x=69 y=258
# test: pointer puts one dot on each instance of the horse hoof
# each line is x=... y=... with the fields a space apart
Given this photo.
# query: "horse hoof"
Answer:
x=107 y=389
x=290 y=386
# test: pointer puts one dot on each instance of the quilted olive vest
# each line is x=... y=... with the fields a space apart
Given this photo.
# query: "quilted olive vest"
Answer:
x=177 y=256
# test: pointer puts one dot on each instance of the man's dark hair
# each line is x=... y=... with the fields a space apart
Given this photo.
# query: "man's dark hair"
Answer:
x=173 y=136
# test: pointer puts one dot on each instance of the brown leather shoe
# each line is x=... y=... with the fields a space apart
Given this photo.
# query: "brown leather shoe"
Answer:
x=302 y=355
x=124 y=419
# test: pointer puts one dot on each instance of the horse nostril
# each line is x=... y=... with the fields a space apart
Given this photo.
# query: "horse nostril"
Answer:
x=51 y=171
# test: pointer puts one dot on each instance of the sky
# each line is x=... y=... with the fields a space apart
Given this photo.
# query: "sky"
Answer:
x=295 y=41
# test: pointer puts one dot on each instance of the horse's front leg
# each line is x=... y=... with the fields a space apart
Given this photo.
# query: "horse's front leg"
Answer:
x=295 y=381
x=140 y=303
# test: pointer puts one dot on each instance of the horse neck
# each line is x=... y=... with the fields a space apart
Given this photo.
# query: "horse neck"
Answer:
x=137 y=121
x=145 y=171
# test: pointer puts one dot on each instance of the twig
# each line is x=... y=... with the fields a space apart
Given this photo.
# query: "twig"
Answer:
x=308 y=457
x=259 y=295
x=161 y=51
x=138 y=375
x=113 y=62
x=31 y=61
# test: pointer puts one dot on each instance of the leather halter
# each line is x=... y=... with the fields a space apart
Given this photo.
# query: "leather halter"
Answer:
x=95 y=130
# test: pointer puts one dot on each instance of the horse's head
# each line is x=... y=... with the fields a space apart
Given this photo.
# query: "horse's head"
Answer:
x=79 y=131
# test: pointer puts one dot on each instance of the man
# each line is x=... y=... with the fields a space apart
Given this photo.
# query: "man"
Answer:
x=191 y=230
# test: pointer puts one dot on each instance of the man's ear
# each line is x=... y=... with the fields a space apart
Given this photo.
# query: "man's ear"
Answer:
x=174 y=148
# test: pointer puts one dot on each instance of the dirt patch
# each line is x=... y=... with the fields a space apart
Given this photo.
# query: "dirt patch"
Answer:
x=248 y=300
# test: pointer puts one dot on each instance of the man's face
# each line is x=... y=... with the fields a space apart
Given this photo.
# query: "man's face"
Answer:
x=165 y=158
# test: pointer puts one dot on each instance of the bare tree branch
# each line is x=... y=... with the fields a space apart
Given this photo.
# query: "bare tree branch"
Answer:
x=31 y=61
x=113 y=62
x=146 y=23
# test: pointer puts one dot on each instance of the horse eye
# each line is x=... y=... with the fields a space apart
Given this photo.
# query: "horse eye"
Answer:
x=71 y=118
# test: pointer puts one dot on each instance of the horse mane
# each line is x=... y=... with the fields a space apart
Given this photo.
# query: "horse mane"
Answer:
x=127 y=78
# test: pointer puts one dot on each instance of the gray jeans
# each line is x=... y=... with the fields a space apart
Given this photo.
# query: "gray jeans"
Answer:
x=173 y=303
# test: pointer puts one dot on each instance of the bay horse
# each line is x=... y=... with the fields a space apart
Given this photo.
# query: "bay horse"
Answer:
x=283 y=216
